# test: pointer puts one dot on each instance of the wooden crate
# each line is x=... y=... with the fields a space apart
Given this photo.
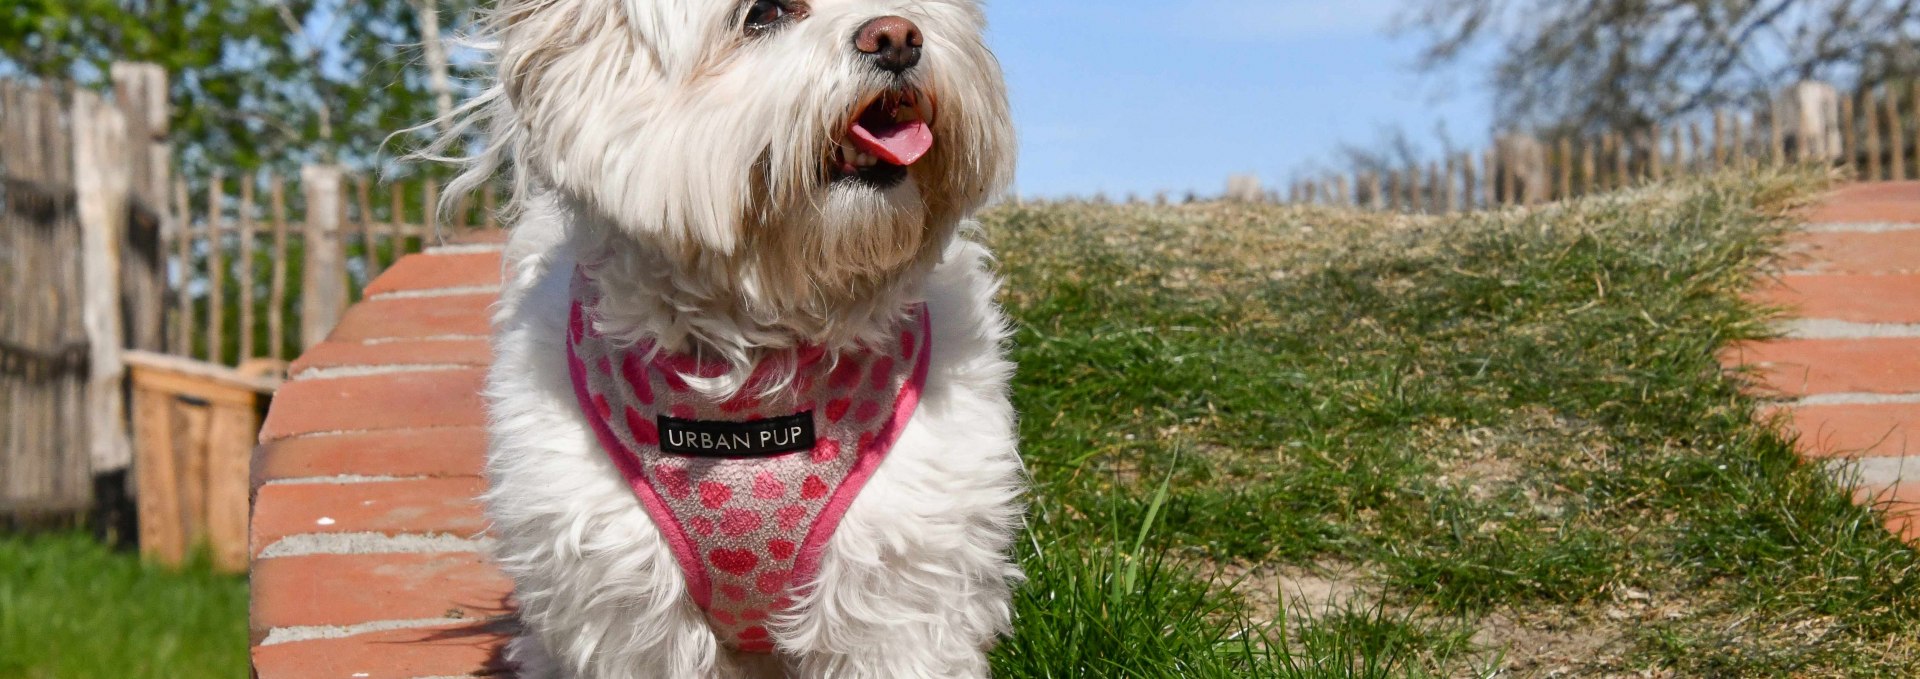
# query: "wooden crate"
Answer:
x=194 y=425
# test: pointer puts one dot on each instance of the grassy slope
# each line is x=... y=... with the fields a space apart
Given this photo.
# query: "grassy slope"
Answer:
x=1506 y=433
x=1503 y=438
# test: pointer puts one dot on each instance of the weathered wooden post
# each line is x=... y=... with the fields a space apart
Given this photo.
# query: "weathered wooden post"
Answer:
x=1811 y=115
x=182 y=235
x=1656 y=156
x=1490 y=179
x=141 y=91
x=1849 y=138
x=1896 y=138
x=1243 y=188
x=277 y=278
x=1589 y=167
x=323 y=285
x=1523 y=169
x=1469 y=182
x=102 y=181
x=1694 y=160
x=1563 y=162
x=1720 y=141
x=216 y=269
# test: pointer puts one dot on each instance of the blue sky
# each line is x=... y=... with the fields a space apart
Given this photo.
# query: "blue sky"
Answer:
x=1145 y=95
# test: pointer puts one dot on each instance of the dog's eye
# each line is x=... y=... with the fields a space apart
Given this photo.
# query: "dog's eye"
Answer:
x=763 y=14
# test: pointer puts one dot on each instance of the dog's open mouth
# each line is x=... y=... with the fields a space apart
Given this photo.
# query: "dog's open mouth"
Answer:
x=892 y=130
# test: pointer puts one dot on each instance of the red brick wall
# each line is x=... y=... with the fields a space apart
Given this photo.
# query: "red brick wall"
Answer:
x=1846 y=373
x=366 y=540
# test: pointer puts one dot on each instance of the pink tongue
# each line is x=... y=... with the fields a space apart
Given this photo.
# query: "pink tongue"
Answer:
x=899 y=144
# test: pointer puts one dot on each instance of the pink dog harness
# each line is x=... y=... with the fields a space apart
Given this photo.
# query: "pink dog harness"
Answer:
x=745 y=491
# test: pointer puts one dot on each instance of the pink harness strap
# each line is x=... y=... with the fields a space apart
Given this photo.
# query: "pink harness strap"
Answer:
x=746 y=491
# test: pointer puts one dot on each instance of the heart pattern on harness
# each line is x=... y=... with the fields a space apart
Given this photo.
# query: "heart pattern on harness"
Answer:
x=748 y=532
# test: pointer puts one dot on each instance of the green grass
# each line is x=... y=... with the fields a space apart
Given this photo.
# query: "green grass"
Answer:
x=71 y=609
x=1497 y=443
x=1507 y=432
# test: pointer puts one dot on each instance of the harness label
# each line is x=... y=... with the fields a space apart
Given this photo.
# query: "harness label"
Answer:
x=753 y=438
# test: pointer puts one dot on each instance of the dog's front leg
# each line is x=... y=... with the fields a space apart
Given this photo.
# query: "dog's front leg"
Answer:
x=916 y=583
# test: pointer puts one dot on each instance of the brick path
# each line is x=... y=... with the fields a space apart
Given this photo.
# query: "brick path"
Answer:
x=366 y=539
x=1848 y=368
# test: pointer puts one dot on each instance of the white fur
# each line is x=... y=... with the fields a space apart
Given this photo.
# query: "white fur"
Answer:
x=656 y=140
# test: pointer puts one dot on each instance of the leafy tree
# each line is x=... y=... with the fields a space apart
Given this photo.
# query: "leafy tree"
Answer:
x=255 y=83
x=1625 y=64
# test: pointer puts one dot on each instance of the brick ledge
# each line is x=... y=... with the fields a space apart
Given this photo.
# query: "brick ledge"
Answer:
x=365 y=535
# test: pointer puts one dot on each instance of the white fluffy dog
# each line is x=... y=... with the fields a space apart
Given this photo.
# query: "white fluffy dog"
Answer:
x=749 y=408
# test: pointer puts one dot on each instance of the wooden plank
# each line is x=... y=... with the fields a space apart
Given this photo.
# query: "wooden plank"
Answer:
x=1509 y=179
x=1679 y=162
x=1489 y=174
x=369 y=244
x=397 y=219
x=156 y=475
x=229 y=450
x=430 y=211
x=1588 y=166
x=1469 y=181
x=1452 y=182
x=1721 y=142
x=141 y=92
x=1411 y=189
x=203 y=381
x=244 y=275
x=1622 y=169
x=1870 y=111
x=323 y=285
x=491 y=207
x=205 y=418
x=1849 y=139
x=277 y=287
x=13 y=389
x=1913 y=109
x=1651 y=140
x=1896 y=137
x=190 y=473
x=1739 y=140
x=216 y=269
x=1777 y=126
x=1695 y=158
x=1564 y=160
x=1427 y=180
x=1607 y=150
x=183 y=325
x=103 y=184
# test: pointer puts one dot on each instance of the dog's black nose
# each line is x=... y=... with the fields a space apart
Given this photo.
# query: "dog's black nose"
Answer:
x=893 y=43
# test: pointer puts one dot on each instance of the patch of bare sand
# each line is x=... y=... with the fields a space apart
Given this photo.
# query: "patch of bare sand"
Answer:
x=1298 y=592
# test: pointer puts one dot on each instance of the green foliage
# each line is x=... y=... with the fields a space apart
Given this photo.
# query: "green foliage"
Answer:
x=255 y=83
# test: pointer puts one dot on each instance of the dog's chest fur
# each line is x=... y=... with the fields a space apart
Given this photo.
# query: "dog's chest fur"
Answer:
x=919 y=560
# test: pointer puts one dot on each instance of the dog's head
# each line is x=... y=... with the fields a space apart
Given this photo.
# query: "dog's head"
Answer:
x=822 y=143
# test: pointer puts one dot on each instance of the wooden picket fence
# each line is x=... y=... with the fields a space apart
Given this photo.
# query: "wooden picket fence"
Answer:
x=189 y=294
x=1868 y=135
x=263 y=267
